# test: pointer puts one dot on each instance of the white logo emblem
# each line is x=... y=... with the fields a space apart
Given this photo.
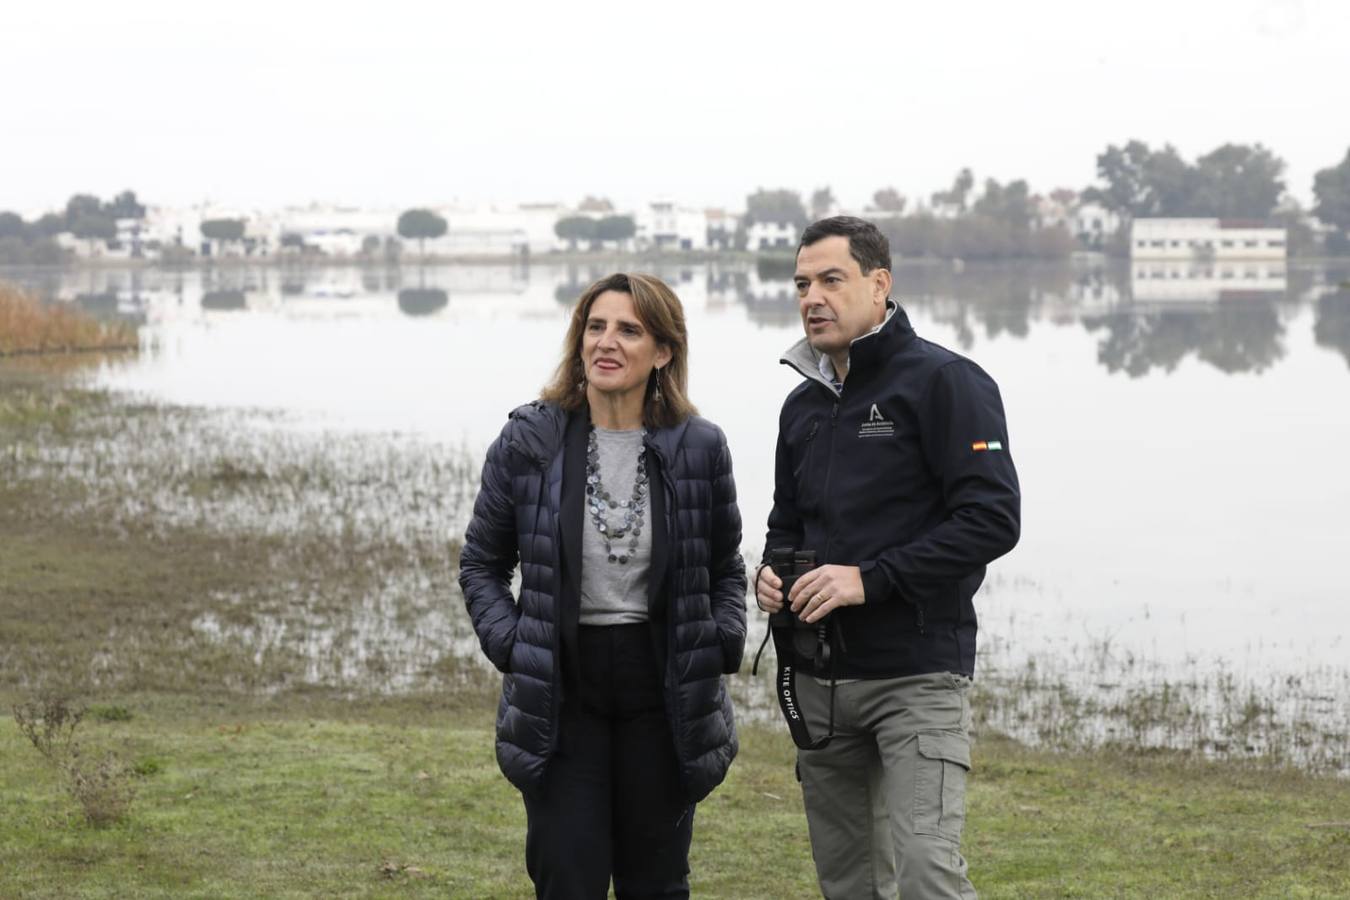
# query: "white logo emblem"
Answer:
x=876 y=425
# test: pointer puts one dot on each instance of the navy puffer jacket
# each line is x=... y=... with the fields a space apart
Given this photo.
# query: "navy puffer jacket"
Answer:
x=517 y=518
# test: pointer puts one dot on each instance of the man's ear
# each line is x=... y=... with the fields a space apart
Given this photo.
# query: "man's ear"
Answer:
x=881 y=284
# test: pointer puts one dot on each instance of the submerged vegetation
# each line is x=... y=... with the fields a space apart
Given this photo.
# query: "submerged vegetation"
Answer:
x=28 y=326
x=264 y=624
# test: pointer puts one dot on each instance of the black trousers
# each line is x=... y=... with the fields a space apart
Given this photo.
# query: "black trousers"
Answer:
x=611 y=803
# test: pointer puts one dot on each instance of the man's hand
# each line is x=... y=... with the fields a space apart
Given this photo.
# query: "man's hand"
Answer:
x=768 y=593
x=823 y=590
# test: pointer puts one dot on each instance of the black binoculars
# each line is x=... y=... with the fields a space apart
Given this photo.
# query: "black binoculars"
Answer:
x=789 y=564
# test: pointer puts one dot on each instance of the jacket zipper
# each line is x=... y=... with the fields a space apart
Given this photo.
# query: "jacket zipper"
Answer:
x=829 y=471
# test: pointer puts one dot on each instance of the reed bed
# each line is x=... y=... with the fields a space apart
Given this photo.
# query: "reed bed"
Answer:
x=28 y=326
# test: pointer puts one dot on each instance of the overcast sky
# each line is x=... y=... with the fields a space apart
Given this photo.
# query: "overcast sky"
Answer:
x=399 y=103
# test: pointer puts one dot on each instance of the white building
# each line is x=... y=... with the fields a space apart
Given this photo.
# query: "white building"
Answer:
x=526 y=229
x=771 y=236
x=336 y=230
x=1207 y=239
x=661 y=225
x=721 y=228
x=1092 y=223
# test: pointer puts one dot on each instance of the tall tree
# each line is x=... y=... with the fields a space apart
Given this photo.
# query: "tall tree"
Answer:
x=125 y=206
x=1331 y=188
x=1122 y=170
x=1009 y=204
x=956 y=196
x=889 y=200
x=1171 y=184
x=1238 y=181
x=782 y=205
x=48 y=225
x=93 y=227
x=11 y=225
x=420 y=224
x=82 y=205
x=615 y=228
x=822 y=201
x=1232 y=181
x=223 y=229
x=575 y=228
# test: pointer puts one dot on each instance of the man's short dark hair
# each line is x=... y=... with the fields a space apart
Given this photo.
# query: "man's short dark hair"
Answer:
x=866 y=243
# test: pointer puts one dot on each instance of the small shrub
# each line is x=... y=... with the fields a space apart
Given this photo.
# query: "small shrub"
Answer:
x=49 y=723
x=101 y=785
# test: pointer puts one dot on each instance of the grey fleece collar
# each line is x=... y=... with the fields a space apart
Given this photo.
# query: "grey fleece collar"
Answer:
x=804 y=358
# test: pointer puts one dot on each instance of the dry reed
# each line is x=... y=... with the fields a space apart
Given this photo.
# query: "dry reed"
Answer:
x=28 y=326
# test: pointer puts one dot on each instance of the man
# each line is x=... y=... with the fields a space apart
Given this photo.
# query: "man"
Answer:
x=893 y=467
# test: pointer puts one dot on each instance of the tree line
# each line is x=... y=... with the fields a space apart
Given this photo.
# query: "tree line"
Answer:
x=1242 y=181
x=1001 y=220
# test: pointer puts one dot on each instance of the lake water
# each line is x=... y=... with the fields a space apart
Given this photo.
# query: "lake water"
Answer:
x=1181 y=435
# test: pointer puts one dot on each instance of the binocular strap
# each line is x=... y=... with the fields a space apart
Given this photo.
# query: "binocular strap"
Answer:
x=785 y=686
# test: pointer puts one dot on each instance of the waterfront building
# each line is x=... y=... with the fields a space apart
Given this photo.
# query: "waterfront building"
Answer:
x=1204 y=240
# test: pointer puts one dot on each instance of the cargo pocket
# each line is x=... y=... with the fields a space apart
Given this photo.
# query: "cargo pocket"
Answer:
x=940 y=784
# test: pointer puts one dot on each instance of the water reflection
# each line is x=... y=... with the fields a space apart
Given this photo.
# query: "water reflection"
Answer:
x=1235 y=336
x=422 y=301
x=1149 y=316
x=1164 y=281
x=224 y=300
x=1333 y=322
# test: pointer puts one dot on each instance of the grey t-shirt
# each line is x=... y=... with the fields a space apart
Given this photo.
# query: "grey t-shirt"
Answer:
x=614 y=594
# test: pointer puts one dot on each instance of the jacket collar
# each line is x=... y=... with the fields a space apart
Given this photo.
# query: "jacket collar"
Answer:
x=541 y=426
x=893 y=333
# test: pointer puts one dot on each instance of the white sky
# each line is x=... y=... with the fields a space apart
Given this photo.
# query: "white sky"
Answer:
x=400 y=103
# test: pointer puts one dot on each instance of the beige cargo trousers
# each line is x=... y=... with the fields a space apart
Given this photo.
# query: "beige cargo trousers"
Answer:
x=886 y=799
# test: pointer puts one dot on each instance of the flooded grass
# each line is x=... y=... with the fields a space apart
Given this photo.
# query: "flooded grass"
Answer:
x=161 y=549
x=154 y=549
x=28 y=326
x=1143 y=706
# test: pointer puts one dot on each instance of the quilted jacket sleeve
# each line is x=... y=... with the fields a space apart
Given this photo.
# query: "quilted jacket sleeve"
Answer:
x=489 y=557
x=727 y=568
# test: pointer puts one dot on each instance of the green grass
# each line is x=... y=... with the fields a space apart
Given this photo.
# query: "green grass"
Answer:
x=404 y=799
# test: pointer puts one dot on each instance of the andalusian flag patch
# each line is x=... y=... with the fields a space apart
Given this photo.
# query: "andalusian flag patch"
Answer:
x=986 y=445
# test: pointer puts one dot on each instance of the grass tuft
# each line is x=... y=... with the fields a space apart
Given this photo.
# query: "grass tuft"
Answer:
x=28 y=326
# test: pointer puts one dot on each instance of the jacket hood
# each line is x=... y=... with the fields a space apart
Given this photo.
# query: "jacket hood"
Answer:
x=536 y=429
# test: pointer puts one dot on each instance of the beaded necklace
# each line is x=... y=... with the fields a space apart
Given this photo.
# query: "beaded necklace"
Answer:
x=598 y=501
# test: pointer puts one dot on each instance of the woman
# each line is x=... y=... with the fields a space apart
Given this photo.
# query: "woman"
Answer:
x=619 y=504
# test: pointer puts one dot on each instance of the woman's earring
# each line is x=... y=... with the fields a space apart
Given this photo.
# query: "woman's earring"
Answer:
x=656 y=394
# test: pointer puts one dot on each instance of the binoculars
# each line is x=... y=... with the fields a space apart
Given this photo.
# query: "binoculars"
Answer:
x=789 y=564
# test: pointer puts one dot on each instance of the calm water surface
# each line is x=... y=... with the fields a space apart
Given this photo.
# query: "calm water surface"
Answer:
x=1181 y=436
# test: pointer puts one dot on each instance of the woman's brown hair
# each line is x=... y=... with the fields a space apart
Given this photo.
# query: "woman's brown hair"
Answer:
x=660 y=312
